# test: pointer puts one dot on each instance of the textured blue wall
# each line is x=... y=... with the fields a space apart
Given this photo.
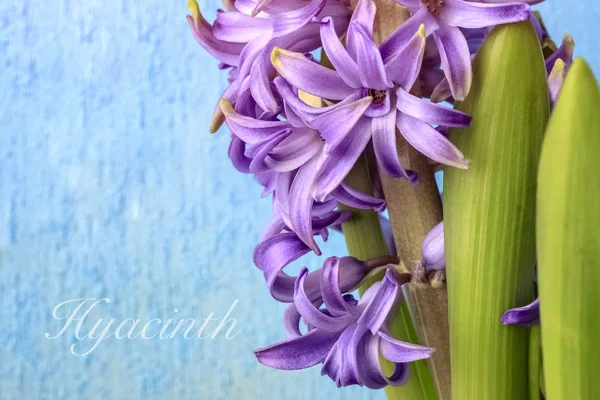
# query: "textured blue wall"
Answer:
x=111 y=187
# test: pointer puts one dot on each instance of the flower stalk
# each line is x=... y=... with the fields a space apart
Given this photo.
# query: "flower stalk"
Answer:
x=365 y=240
x=489 y=215
x=414 y=211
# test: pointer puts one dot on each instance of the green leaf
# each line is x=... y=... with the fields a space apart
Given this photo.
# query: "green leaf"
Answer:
x=489 y=213
x=568 y=240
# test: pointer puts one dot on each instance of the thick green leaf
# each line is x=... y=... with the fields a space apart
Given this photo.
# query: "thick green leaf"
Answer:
x=489 y=213
x=568 y=240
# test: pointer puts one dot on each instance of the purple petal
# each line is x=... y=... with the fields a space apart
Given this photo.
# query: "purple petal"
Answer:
x=456 y=60
x=260 y=6
x=251 y=52
x=236 y=27
x=370 y=372
x=298 y=353
x=430 y=142
x=236 y=152
x=530 y=2
x=301 y=204
x=441 y=92
x=341 y=364
x=335 y=165
x=291 y=321
x=528 y=315
x=564 y=53
x=309 y=76
x=363 y=16
x=268 y=180
x=405 y=32
x=386 y=151
x=402 y=352
x=433 y=249
x=248 y=129
x=260 y=152
x=380 y=304
x=295 y=150
x=260 y=85
x=288 y=22
x=335 y=124
x=226 y=52
x=468 y=14
x=333 y=284
x=272 y=256
x=370 y=65
x=430 y=112
x=281 y=199
x=404 y=68
x=307 y=113
x=314 y=316
x=338 y=55
x=355 y=199
x=254 y=7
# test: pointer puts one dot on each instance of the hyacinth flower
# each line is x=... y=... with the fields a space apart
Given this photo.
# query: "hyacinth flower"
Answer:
x=443 y=19
x=285 y=153
x=434 y=258
x=346 y=336
x=243 y=36
x=374 y=100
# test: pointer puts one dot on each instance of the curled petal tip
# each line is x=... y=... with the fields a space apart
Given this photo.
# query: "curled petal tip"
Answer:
x=194 y=9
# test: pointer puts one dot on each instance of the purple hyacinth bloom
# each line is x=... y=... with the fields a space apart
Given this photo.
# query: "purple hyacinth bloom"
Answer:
x=443 y=19
x=347 y=336
x=434 y=258
x=243 y=36
x=285 y=154
x=528 y=315
x=375 y=99
x=261 y=26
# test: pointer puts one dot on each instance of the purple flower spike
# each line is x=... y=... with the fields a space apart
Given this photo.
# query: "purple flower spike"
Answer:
x=347 y=336
x=527 y=316
x=443 y=18
x=433 y=249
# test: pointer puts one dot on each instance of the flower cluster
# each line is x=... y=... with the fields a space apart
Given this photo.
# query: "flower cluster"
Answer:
x=299 y=124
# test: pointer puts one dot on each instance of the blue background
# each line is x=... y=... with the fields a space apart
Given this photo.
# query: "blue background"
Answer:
x=110 y=186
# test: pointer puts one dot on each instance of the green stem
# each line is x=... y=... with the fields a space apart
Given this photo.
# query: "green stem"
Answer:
x=414 y=211
x=365 y=240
